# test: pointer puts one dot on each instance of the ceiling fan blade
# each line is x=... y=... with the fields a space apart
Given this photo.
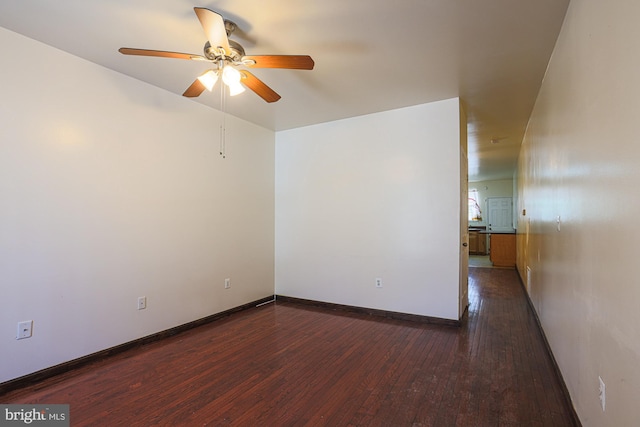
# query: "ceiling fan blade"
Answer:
x=194 y=90
x=161 y=53
x=256 y=85
x=213 y=26
x=294 y=62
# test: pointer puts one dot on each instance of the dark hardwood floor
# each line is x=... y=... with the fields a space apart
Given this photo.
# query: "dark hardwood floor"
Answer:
x=284 y=364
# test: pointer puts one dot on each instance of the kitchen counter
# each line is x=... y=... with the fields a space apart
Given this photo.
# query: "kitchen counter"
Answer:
x=502 y=250
x=477 y=242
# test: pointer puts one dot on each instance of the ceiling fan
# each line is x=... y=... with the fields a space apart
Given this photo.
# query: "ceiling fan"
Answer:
x=227 y=55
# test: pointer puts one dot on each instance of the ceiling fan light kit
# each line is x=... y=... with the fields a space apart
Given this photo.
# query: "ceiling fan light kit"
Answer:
x=231 y=77
x=209 y=79
x=228 y=56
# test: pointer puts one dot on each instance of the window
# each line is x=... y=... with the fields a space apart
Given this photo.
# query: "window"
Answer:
x=475 y=213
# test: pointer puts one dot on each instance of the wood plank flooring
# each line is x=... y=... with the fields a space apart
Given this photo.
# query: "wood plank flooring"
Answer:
x=284 y=364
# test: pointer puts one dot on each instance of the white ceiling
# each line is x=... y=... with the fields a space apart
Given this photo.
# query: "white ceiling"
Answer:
x=370 y=56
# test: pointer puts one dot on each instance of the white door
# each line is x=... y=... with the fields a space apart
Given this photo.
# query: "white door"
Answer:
x=500 y=213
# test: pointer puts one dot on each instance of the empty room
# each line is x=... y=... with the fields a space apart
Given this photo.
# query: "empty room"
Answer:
x=249 y=213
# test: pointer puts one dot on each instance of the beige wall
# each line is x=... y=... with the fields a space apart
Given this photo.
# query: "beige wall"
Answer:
x=580 y=162
x=111 y=189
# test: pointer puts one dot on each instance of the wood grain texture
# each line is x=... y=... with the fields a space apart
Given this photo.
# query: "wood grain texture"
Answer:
x=503 y=250
x=195 y=89
x=285 y=364
x=293 y=62
x=259 y=87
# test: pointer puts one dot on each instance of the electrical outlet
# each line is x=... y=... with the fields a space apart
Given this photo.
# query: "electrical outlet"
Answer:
x=25 y=330
x=142 y=303
x=227 y=283
x=602 y=393
x=378 y=282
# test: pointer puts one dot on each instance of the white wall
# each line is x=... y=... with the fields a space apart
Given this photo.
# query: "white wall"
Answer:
x=112 y=189
x=580 y=161
x=367 y=197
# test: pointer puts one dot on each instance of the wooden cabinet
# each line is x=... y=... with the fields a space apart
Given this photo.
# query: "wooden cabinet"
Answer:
x=482 y=244
x=477 y=243
x=503 y=250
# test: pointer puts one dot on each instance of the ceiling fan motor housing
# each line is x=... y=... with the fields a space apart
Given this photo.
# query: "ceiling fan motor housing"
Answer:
x=237 y=52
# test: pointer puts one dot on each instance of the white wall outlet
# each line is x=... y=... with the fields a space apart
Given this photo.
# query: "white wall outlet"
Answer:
x=227 y=283
x=25 y=330
x=602 y=393
x=558 y=222
x=142 y=303
x=378 y=282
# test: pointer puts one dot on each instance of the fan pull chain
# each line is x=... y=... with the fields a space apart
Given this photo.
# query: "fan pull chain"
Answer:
x=224 y=143
x=223 y=126
x=221 y=139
